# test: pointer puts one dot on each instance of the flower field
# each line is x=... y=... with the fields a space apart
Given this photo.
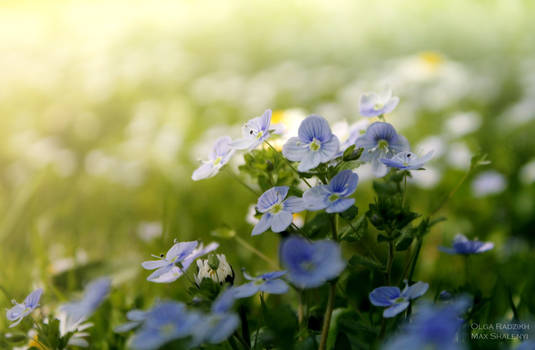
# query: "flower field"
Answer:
x=267 y=175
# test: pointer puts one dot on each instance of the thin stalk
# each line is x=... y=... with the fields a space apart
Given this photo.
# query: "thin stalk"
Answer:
x=452 y=193
x=332 y=293
x=241 y=182
x=256 y=252
x=389 y=262
x=404 y=189
x=288 y=162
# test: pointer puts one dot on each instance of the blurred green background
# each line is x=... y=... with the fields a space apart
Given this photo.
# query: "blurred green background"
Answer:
x=106 y=107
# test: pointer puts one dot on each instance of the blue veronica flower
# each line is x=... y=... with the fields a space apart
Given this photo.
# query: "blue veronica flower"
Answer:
x=19 y=311
x=333 y=197
x=432 y=327
x=311 y=264
x=381 y=141
x=315 y=144
x=220 y=324
x=373 y=105
x=355 y=130
x=407 y=160
x=397 y=300
x=256 y=131
x=177 y=260
x=268 y=282
x=165 y=322
x=221 y=154
x=135 y=319
x=462 y=245
x=74 y=313
x=277 y=212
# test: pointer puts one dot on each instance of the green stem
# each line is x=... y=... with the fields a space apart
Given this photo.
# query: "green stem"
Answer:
x=404 y=189
x=288 y=162
x=256 y=252
x=389 y=262
x=451 y=194
x=332 y=293
x=241 y=182
x=328 y=315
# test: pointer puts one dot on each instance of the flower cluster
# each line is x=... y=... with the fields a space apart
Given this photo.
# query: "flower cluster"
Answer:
x=308 y=197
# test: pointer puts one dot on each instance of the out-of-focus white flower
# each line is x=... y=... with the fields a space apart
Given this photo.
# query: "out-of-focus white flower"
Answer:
x=434 y=142
x=426 y=179
x=527 y=173
x=463 y=123
x=216 y=268
x=250 y=217
x=290 y=119
x=148 y=231
x=459 y=156
x=488 y=183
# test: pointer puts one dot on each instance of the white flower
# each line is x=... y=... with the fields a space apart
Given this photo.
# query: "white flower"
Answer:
x=216 y=268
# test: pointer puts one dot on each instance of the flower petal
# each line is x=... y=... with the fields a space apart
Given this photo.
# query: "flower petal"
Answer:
x=395 y=309
x=344 y=183
x=416 y=290
x=246 y=290
x=294 y=204
x=263 y=225
x=205 y=171
x=281 y=221
x=317 y=197
x=274 y=287
x=294 y=149
x=314 y=127
x=180 y=250
x=153 y=264
x=340 y=205
x=383 y=296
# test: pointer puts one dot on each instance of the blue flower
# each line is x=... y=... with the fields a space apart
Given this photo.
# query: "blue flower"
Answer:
x=214 y=328
x=333 y=197
x=255 y=132
x=74 y=313
x=165 y=322
x=433 y=327
x=177 y=260
x=315 y=144
x=381 y=141
x=397 y=300
x=221 y=154
x=135 y=319
x=19 y=311
x=311 y=264
x=269 y=283
x=407 y=160
x=277 y=212
x=373 y=105
x=461 y=245
x=220 y=324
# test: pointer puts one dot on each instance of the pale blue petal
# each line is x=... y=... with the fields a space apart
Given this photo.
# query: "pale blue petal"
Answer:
x=383 y=296
x=294 y=204
x=246 y=290
x=153 y=264
x=281 y=221
x=311 y=160
x=224 y=301
x=265 y=120
x=416 y=290
x=205 y=171
x=390 y=105
x=344 y=183
x=340 y=205
x=224 y=329
x=329 y=149
x=15 y=312
x=314 y=127
x=274 y=287
x=294 y=149
x=395 y=309
x=32 y=300
x=180 y=250
x=272 y=275
x=317 y=197
x=244 y=143
x=263 y=225
x=166 y=274
x=221 y=147
x=271 y=197
x=136 y=315
x=126 y=327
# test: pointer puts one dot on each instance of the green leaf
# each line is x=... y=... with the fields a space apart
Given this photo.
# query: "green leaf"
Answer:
x=355 y=231
x=405 y=240
x=319 y=226
x=350 y=165
x=350 y=213
x=223 y=232
x=360 y=260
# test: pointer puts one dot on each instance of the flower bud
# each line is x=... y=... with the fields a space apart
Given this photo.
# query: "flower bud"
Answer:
x=215 y=268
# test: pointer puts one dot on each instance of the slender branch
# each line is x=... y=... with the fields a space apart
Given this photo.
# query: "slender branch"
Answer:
x=389 y=262
x=332 y=293
x=241 y=182
x=452 y=192
x=404 y=189
x=328 y=315
x=288 y=162
x=256 y=252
